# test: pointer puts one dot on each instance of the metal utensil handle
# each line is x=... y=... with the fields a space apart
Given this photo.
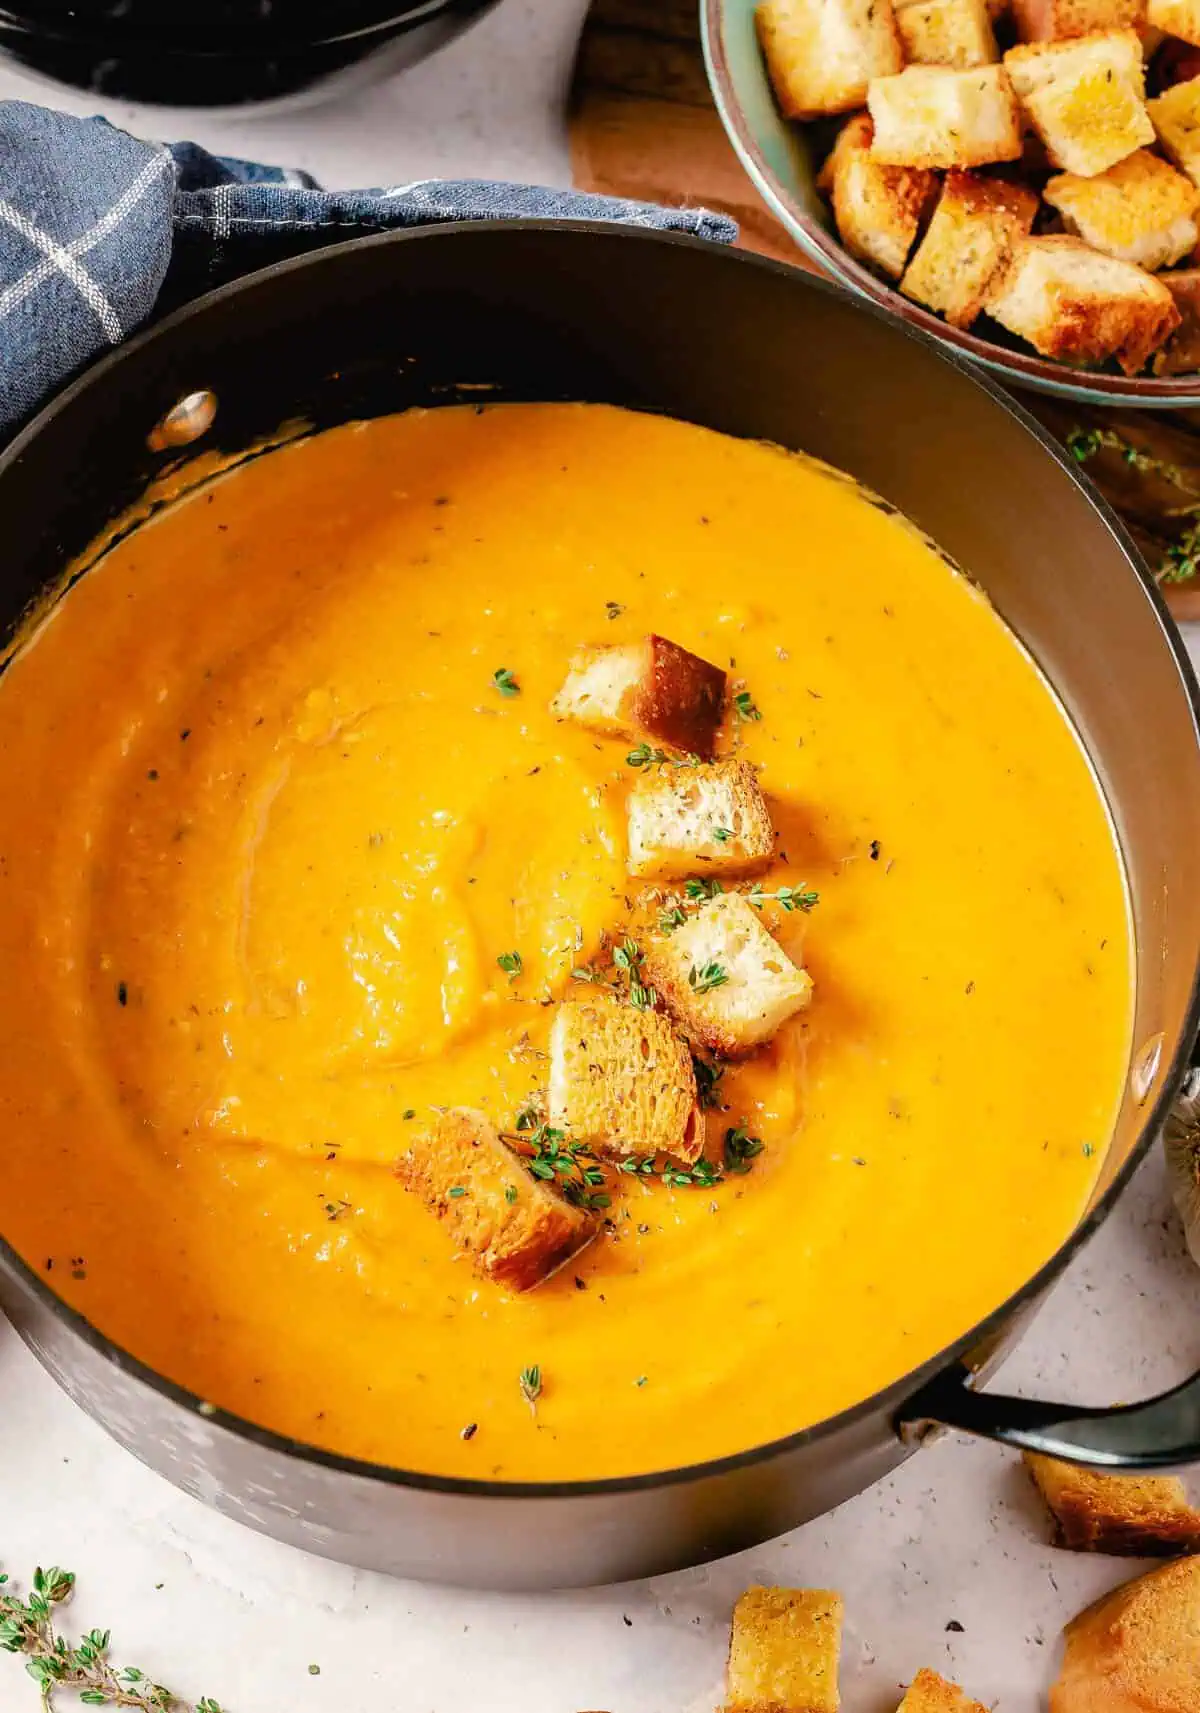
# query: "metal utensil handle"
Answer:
x=1160 y=1433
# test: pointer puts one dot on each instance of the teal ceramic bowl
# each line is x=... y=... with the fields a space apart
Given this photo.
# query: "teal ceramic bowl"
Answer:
x=777 y=155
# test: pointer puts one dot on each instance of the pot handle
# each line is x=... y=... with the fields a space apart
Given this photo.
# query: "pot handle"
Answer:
x=1162 y=1433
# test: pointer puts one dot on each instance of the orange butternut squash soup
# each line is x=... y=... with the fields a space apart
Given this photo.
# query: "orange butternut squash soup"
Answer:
x=299 y=865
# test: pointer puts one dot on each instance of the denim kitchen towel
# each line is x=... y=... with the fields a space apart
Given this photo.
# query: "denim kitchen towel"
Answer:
x=99 y=229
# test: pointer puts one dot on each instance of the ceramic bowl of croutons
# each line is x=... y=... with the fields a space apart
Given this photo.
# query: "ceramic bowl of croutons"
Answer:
x=1020 y=178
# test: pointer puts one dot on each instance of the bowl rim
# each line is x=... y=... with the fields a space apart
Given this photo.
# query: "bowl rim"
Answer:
x=1007 y=1314
x=1039 y=373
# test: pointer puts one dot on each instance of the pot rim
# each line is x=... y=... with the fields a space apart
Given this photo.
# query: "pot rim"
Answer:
x=889 y=1398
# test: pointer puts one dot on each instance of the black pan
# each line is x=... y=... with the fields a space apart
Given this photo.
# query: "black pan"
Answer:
x=529 y=311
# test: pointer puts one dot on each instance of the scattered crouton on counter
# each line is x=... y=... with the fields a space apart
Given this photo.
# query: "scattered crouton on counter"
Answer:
x=1175 y=115
x=1181 y=353
x=783 y=1652
x=975 y=226
x=1059 y=20
x=878 y=209
x=1138 y=1649
x=946 y=32
x=726 y=981
x=1071 y=302
x=933 y=116
x=929 y=1693
x=1140 y=211
x=710 y=819
x=1179 y=18
x=823 y=53
x=1085 y=98
x=1137 y=1516
x=517 y=1230
x=651 y=686
x=622 y=1082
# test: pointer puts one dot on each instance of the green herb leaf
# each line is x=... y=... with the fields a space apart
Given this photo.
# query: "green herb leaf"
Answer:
x=745 y=708
x=510 y=1193
x=740 y=1149
x=504 y=681
x=510 y=963
x=722 y=835
x=703 y=888
x=705 y=978
x=457 y=1190
x=614 y=609
x=672 y=917
x=645 y=756
x=531 y=1386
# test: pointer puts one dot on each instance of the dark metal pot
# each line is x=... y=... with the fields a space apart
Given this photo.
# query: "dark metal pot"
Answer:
x=225 y=53
x=529 y=311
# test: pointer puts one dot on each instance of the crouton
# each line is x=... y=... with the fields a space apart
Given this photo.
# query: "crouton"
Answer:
x=1175 y=115
x=783 y=1652
x=652 y=686
x=967 y=245
x=878 y=210
x=934 y=116
x=517 y=1231
x=1084 y=98
x=1135 y=1516
x=1140 y=211
x=686 y=820
x=622 y=1081
x=822 y=54
x=929 y=1693
x=1074 y=304
x=728 y=984
x=1138 y=1649
x=946 y=32
x=1176 y=18
x=1060 y=20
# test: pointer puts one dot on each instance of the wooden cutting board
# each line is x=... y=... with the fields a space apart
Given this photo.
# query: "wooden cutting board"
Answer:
x=642 y=124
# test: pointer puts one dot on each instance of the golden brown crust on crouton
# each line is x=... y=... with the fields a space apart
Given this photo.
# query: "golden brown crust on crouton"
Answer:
x=710 y=819
x=968 y=244
x=1179 y=18
x=652 y=686
x=1085 y=98
x=1072 y=303
x=1181 y=353
x=934 y=116
x=622 y=1081
x=783 y=1651
x=878 y=210
x=946 y=32
x=821 y=54
x=1175 y=115
x=517 y=1230
x=1138 y=1649
x=1061 y=20
x=1135 y=1516
x=929 y=1693
x=726 y=981
x=1140 y=211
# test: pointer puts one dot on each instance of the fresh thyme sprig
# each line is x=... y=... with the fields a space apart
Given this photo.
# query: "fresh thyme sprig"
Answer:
x=628 y=958
x=511 y=964
x=505 y=682
x=703 y=978
x=703 y=1174
x=530 y=1382
x=83 y=1670
x=646 y=755
x=745 y=708
x=550 y=1157
x=1181 y=558
x=787 y=897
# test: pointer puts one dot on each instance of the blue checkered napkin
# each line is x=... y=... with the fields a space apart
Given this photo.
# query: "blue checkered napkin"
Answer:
x=98 y=228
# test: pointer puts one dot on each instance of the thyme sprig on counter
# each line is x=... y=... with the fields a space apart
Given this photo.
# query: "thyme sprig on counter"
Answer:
x=1181 y=558
x=82 y=1669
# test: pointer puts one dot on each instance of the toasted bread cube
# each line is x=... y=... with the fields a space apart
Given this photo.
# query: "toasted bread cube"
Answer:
x=1138 y=1649
x=517 y=1231
x=878 y=210
x=686 y=820
x=1175 y=115
x=1085 y=98
x=822 y=54
x=651 y=686
x=929 y=1693
x=1074 y=304
x=934 y=116
x=622 y=1081
x=968 y=244
x=1176 y=18
x=728 y=984
x=1140 y=211
x=1137 y=1516
x=1181 y=353
x=946 y=32
x=1061 y=20
x=783 y=1652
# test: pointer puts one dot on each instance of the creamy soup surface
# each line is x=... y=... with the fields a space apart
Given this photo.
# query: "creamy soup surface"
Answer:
x=268 y=824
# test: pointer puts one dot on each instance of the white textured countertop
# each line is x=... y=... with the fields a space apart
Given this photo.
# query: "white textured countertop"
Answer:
x=956 y=1537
